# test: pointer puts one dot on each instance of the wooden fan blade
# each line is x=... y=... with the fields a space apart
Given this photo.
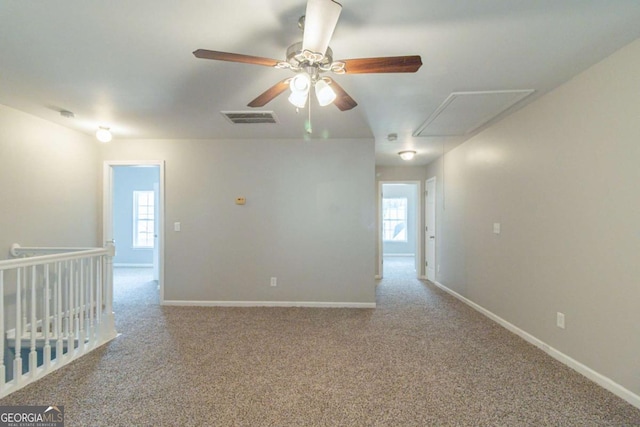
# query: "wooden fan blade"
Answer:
x=343 y=101
x=235 y=57
x=320 y=21
x=270 y=93
x=390 y=64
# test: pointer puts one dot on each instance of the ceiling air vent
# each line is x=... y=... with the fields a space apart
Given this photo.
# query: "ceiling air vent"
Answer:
x=249 y=117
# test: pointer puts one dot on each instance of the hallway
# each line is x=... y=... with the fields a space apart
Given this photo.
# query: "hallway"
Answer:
x=399 y=267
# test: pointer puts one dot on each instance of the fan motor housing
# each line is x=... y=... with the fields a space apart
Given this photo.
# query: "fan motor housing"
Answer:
x=297 y=59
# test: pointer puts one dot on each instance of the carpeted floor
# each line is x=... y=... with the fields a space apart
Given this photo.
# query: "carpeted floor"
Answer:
x=421 y=358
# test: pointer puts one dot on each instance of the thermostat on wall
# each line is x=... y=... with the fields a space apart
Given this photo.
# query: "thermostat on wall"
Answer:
x=240 y=200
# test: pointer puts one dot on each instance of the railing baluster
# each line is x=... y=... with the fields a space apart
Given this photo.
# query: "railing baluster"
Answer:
x=92 y=279
x=46 y=325
x=17 y=361
x=76 y=303
x=70 y=310
x=44 y=301
x=81 y=302
x=58 y=319
x=23 y=301
x=33 y=354
x=99 y=293
x=3 y=377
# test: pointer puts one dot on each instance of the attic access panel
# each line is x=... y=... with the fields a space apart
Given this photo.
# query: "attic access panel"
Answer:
x=463 y=112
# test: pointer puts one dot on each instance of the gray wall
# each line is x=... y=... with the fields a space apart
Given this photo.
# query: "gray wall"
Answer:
x=49 y=178
x=126 y=180
x=309 y=219
x=561 y=176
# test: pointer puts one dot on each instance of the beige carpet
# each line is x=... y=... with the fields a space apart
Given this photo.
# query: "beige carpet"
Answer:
x=420 y=359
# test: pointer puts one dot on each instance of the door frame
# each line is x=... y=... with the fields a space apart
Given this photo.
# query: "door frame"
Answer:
x=107 y=208
x=418 y=226
x=427 y=215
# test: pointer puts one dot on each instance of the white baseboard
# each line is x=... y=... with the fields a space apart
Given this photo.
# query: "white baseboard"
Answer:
x=271 y=304
x=594 y=376
x=127 y=265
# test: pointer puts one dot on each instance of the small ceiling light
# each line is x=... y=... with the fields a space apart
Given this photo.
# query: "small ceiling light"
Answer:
x=407 y=155
x=324 y=93
x=103 y=134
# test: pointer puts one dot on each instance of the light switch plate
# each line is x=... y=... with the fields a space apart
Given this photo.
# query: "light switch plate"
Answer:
x=496 y=228
x=560 y=320
x=176 y=226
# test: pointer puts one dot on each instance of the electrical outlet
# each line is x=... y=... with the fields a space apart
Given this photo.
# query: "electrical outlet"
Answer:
x=560 y=320
x=274 y=281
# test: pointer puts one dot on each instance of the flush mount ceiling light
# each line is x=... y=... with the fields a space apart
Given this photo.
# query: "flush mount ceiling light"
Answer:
x=103 y=134
x=407 y=155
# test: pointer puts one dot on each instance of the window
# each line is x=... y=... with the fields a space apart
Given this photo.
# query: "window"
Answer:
x=394 y=219
x=143 y=219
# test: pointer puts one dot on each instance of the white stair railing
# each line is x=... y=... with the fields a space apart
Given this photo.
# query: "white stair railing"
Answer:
x=57 y=304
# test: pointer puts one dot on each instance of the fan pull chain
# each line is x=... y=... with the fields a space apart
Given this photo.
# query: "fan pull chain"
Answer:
x=309 y=128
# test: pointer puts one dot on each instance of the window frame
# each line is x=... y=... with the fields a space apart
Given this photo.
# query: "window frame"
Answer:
x=136 y=241
x=395 y=220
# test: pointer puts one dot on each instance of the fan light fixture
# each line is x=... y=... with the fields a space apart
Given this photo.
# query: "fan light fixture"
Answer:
x=103 y=134
x=407 y=155
x=300 y=86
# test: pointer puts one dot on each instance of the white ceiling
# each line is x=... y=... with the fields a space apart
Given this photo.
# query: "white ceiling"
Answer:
x=129 y=64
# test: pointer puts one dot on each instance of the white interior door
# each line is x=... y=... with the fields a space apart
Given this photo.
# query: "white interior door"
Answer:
x=380 y=274
x=430 y=230
x=156 y=232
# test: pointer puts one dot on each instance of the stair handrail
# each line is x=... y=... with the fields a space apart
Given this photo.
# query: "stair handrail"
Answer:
x=67 y=292
x=20 y=251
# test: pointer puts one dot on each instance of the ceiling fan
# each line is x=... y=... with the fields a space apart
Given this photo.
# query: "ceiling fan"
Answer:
x=312 y=57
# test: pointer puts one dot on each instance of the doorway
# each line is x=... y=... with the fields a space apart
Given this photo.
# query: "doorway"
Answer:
x=399 y=228
x=133 y=217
